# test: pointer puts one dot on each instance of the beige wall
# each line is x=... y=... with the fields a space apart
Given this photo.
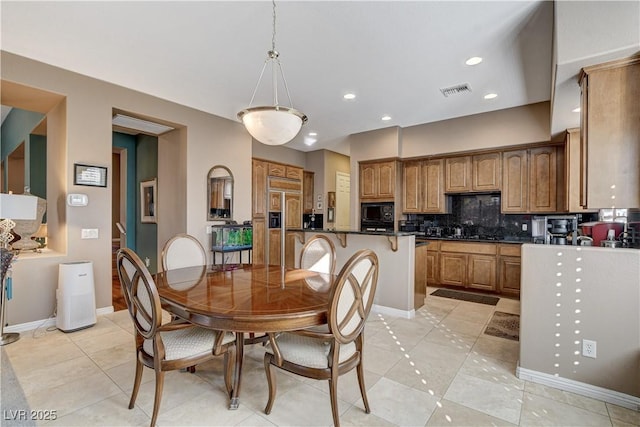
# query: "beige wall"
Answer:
x=513 y=126
x=81 y=133
x=573 y=293
x=280 y=154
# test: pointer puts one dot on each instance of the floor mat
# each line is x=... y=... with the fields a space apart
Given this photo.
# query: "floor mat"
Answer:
x=504 y=325
x=466 y=296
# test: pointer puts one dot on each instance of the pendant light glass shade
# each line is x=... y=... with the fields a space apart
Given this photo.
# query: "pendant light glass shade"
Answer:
x=272 y=125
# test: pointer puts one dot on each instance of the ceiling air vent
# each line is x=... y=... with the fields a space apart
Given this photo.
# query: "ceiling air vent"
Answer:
x=454 y=90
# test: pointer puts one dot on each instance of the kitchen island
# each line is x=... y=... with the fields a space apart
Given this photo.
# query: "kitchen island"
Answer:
x=396 y=254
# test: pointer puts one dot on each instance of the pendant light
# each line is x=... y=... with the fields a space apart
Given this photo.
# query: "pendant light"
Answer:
x=276 y=124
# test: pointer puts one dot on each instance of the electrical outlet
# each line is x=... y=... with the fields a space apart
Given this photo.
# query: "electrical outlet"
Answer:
x=209 y=229
x=147 y=261
x=589 y=348
x=524 y=226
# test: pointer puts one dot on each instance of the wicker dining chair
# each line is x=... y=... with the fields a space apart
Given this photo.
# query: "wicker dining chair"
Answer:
x=326 y=356
x=172 y=346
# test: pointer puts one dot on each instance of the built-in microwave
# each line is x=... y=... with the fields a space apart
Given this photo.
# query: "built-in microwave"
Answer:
x=376 y=216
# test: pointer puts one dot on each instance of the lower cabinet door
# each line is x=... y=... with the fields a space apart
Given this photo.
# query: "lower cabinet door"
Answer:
x=453 y=269
x=482 y=272
x=509 y=276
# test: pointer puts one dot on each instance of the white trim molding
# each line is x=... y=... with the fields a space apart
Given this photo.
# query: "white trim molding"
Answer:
x=390 y=311
x=51 y=321
x=583 y=389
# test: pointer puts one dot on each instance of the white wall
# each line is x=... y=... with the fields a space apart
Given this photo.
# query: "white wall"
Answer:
x=573 y=293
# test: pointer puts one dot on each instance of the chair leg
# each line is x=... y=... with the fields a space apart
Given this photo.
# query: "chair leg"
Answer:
x=363 y=390
x=157 y=397
x=136 y=383
x=229 y=358
x=271 y=380
x=333 y=393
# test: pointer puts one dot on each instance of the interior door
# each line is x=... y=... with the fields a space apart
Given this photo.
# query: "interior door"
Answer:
x=343 y=206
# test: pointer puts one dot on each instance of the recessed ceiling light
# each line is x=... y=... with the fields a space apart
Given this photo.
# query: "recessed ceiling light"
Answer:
x=576 y=110
x=385 y=118
x=474 y=60
x=491 y=96
x=313 y=133
x=349 y=96
x=309 y=141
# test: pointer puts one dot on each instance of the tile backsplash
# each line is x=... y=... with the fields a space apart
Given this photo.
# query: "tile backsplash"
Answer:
x=479 y=214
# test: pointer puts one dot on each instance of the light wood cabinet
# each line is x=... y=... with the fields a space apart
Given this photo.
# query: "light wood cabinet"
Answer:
x=293 y=204
x=277 y=169
x=480 y=172
x=482 y=272
x=529 y=180
x=487 y=172
x=411 y=187
x=378 y=181
x=423 y=186
x=420 y=279
x=509 y=269
x=458 y=174
x=259 y=230
x=307 y=192
x=543 y=165
x=433 y=263
x=572 y=167
x=453 y=269
x=609 y=132
x=259 y=189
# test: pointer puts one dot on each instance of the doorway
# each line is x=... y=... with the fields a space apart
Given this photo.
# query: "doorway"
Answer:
x=118 y=220
x=343 y=206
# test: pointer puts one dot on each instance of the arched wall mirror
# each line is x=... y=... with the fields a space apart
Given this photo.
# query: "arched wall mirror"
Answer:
x=219 y=193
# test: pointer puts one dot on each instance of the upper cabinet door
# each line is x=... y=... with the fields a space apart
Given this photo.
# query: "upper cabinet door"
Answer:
x=514 y=181
x=387 y=180
x=542 y=179
x=487 y=172
x=412 y=192
x=276 y=169
x=259 y=183
x=433 y=198
x=458 y=174
x=368 y=181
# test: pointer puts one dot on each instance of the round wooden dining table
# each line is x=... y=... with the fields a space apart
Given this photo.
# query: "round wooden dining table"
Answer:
x=246 y=299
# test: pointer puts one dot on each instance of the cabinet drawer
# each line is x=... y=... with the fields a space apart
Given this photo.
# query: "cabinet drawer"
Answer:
x=509 y=250
x=469 y=248
x=284 y=184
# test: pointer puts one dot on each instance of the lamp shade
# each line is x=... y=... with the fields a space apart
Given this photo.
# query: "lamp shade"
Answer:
x=272 y=125
x=18 y=206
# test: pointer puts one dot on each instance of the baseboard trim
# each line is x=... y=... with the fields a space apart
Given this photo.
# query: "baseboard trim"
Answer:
x=583 y=389
x=51 y=321
x=389 y=311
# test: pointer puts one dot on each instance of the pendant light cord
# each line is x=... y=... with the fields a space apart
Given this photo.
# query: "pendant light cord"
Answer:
x=273 y=55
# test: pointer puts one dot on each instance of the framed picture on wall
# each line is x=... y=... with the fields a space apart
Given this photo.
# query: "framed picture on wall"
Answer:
x=149 y=200
x=95 y=176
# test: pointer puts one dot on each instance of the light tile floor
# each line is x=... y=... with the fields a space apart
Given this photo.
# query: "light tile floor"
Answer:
x=438 y=369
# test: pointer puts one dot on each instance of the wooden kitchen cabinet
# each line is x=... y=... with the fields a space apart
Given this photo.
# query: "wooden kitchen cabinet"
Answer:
x=509 y=269
x=423 y=186
x=259 y=189
x=487 y=172
x=543 y=165
x=378 y=181
x=458 y=174
x=420 y=279
x=480 y=172
x=572 y=171
x=411 y=188
x=609 y=132
x=469 y=265
x=482 y=272
x=259 y=230
x=529 y=180
x=307 y=192
x=453 y=269
x=433 y=263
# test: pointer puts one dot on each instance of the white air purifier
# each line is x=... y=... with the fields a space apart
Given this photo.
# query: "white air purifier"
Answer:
x=76 y=296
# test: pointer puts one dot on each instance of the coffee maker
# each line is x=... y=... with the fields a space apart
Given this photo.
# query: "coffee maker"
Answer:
x=563 y=229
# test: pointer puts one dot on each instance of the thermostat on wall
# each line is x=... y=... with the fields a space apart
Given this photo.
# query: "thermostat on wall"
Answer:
x=77 y=199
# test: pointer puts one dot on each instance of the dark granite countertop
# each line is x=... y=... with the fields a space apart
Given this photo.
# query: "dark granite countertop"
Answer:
x=514 y=240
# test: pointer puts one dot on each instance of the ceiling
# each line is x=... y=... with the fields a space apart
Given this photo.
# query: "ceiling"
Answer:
x=395 y=56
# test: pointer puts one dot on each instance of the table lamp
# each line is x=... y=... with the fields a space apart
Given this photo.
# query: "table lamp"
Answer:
x=12 y=206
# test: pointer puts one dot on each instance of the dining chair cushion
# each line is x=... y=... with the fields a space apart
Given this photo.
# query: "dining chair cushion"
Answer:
x=308 y=351
x=186 y=342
